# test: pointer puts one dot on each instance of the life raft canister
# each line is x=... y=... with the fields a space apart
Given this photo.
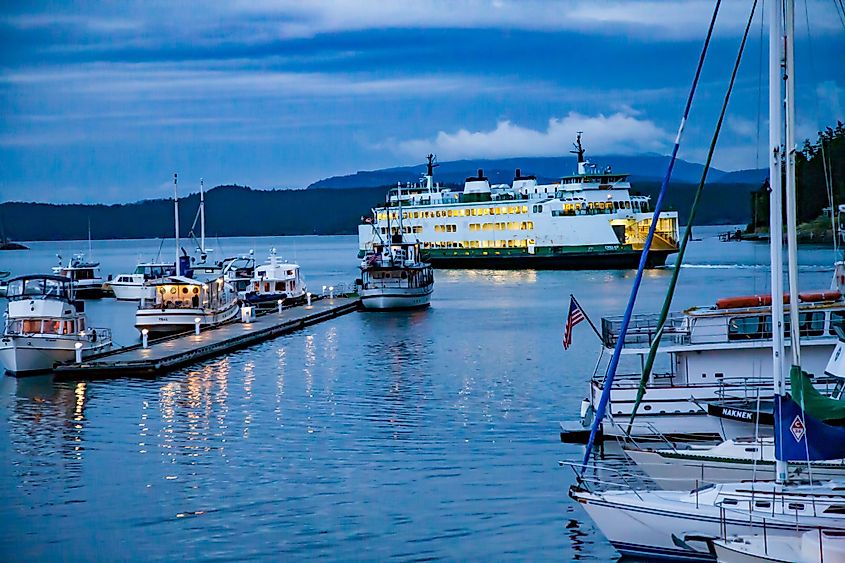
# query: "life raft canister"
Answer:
x=766 y=300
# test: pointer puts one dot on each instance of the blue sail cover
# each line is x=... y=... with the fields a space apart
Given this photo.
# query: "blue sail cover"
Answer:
x=799 y=436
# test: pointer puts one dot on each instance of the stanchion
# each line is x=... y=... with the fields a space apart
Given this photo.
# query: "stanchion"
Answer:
x=78 y=347
x=145 y=337
x=197 y=325
x=280 y=305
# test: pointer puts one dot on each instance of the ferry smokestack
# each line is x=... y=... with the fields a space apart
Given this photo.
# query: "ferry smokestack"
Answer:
x=518 y=173
x=480 y=173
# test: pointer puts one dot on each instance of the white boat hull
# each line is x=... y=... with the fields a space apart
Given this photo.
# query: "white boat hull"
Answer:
x=646 y=525
x=22 y=355
x=396 y=298
x=164 y=321
x=814 y=546
x=132 y=292
x=680 y=474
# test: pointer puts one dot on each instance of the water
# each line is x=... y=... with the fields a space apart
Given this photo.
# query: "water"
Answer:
x=373 y=436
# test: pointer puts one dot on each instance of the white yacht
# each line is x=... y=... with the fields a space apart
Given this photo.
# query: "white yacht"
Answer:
x=85 y=276
x=274 y=281
x=585 y=220
x=137 y=286
x=707 y=354
x=393 y=276
x=44 y=324
x=180 y=301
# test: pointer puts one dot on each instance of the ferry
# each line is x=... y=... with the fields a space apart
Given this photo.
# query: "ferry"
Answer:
x=44 y=325
x=586 y=220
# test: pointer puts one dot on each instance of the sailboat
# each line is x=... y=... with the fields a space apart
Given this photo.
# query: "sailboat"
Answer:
x=684 y=524
x=188 y=298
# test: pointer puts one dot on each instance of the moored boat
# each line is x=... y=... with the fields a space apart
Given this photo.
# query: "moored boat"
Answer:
x=275 y=281
x=45 y=324
x=180 y=303
x=85 y=277
x=137 y=286
x=393 y=276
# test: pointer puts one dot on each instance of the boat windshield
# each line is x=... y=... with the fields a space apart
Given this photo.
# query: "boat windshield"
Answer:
x=37 y=287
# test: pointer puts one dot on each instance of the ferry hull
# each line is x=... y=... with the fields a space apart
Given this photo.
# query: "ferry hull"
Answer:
x=169 y=321
x=612 y=260
x=28 y=356
x=387 y=300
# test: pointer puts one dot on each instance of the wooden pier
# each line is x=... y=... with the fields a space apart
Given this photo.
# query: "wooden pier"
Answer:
x=175 y=351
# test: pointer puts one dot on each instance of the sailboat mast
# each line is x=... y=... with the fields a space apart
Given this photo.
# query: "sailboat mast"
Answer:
x=775 y=206
x=791 y=212
x=176 y=220
x=202 y=217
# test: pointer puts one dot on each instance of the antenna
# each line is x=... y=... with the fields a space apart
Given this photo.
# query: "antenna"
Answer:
x=579 y=150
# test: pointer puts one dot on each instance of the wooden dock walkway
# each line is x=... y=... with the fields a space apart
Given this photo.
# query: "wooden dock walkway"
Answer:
x=182 y=349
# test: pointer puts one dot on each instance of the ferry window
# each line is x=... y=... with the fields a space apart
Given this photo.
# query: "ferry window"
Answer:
x=627 y=205
x=810 y=324
x=525 y=209
x=539 y=208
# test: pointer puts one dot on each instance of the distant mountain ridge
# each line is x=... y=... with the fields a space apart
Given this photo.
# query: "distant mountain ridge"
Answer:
x=646 y=167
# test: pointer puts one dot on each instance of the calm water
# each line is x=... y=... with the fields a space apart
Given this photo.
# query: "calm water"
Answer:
x=373 y=436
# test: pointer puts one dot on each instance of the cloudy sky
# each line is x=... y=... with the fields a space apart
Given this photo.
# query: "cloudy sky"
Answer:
x=103 y=101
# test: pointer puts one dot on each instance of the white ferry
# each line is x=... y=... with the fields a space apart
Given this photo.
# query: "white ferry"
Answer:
x=44 y=324
x=586 y=220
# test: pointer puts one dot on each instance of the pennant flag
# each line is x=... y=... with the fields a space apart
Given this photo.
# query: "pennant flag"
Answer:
x=576 y=315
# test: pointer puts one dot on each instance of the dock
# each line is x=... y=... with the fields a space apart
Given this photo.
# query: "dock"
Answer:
x=179 y=350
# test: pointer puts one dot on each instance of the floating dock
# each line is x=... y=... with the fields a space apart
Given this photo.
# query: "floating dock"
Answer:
x=176 y=351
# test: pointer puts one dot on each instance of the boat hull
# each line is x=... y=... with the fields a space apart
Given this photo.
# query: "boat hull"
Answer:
x=22 y=356
x=593 y=260
x=395 y=299
x=132 y=292
x=169 y=321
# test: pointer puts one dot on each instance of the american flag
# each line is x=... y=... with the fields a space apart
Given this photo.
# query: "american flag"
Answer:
x=576 y=315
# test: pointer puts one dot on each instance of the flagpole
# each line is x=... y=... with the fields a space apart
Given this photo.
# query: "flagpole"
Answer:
x=589 y=320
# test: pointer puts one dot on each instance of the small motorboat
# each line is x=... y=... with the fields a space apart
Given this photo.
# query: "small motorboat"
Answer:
x=275 y=281
x=45 y=324
x=136 y=286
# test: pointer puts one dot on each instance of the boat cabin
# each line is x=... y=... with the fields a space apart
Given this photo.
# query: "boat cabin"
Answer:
x=178 y=292
x=40 y=287
x=42 y=304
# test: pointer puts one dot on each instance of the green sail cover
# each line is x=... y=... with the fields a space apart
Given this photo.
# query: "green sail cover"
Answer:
x=818 y=405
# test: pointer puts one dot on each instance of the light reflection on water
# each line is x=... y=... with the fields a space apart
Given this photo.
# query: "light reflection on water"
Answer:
x=431 y=434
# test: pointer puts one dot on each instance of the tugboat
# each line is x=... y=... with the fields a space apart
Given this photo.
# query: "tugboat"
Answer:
x=85 y=276
x=394 y=275
x=275 y=281
x=44 y=325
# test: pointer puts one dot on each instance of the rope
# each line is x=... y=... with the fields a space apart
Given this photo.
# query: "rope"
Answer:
x=629 y=310
x=667 y=302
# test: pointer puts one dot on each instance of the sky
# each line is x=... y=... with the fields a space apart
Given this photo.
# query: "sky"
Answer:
x=104 y=101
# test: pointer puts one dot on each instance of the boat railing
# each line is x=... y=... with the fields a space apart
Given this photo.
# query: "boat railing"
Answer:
x=591 y=479
x=99 y=334
x=643 y=328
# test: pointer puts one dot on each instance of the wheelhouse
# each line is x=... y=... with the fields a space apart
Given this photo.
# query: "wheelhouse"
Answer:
x=39 y=287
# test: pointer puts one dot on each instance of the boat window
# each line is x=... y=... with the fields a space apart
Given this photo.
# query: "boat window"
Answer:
x=34 y=287
x=795 y=506
x=837 y=319
x=702 y=488
x=280 y=286
x=747 y=328
x=51 y=327
x=763 y=504
x=730 y=501
x=31 y=326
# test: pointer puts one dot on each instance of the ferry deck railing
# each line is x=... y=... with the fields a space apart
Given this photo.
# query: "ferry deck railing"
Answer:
x=643 y=328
